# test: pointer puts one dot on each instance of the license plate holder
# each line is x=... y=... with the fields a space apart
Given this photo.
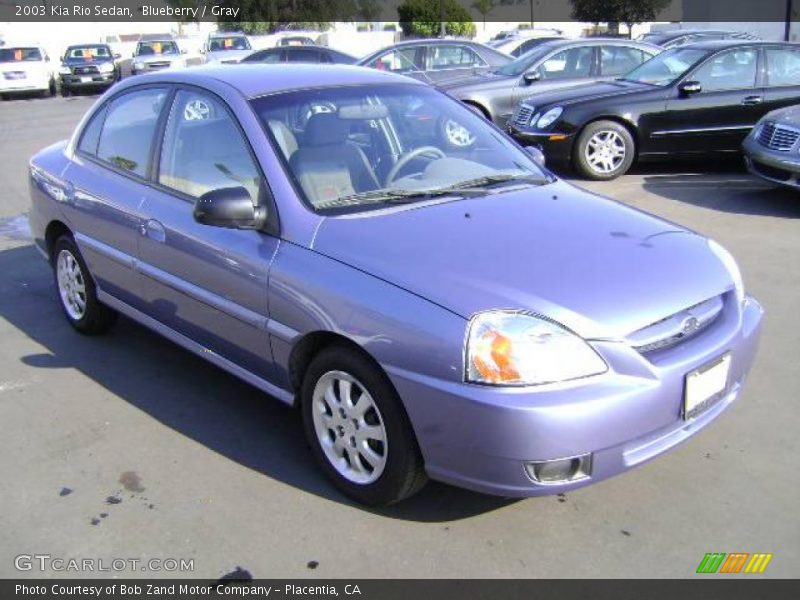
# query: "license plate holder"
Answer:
x=705 y=385
x=86 y=79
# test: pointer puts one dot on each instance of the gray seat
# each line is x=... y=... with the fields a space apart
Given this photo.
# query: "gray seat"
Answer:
x=286 y=140
x=327 y=164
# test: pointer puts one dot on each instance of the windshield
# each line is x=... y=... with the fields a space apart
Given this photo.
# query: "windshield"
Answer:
x=524 y=62
x=221 y=44
x=88 y=52
x=20 y=54
x=350 y=148
x=153 y=48
x=666 y=67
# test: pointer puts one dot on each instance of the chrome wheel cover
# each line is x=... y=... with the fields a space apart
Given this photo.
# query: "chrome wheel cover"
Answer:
x=71 y=286
x=349 y=427
x=457 y=134
x=605 y=151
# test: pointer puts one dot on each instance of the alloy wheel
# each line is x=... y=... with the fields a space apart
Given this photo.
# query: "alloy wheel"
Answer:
x=71 y=285
x=605 y=151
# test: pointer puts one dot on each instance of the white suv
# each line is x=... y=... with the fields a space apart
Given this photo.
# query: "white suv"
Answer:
x=26 y=69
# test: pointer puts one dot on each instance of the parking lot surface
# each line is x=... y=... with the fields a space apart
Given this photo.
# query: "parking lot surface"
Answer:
x=126 y=446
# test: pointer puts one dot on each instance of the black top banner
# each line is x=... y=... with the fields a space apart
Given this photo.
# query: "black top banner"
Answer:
x=540 y=11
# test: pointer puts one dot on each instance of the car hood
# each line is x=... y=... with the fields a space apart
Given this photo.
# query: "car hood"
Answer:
x=228 y=55
x=788 y=116
x=587 y=92
x=599 y=267
x=478 y=82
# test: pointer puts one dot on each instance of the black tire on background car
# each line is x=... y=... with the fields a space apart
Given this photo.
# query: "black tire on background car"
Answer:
x=76 y=290
x=65 y=91
x=604 y=150
x=52 y=87
x=358 y=430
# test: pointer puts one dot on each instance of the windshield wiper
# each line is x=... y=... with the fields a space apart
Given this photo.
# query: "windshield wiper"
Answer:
x=487 y=181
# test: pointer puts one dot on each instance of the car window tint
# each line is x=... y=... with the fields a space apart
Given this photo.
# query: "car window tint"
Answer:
x=128 y=129
x=732 y=69
x=266 y=56
x=297 y=54
x=204 y=150
x=783 y=66
x=452 y=57
x=91 y=133
x=397 y=61
x=618 y=60
x=575 y=62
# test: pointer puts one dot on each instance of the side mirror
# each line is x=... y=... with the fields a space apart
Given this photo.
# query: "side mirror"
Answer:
x=687 y=88
x=117 y=55
x=183 y=50
x=531 y=76
x=230 y=207
x=537 y=154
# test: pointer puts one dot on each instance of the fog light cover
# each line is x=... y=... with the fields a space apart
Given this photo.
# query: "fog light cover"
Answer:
x=562 y=470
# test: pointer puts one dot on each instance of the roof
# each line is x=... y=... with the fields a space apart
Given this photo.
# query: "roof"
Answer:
x=592 y=41
x=676 y=33
x=258 y=79
x=722 y=44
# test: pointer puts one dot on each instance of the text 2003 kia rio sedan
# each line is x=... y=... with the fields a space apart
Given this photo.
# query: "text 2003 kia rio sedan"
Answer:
x=452 y=312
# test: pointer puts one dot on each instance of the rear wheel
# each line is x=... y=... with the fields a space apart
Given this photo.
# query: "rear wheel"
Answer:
x=604 y=150
x=358 y=430
x=52 y=87
x=76 y=290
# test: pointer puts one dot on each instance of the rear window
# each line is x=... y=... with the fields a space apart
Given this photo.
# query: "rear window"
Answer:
x=20 y=54
x=151 y=48
x=229 y=43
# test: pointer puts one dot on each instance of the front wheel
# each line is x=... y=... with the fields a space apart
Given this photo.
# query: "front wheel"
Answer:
x=358 y=430
x=76 y=290
x=604 y=150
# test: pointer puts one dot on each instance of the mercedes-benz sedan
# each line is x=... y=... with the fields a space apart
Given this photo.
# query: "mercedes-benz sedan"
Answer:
x=435 y=311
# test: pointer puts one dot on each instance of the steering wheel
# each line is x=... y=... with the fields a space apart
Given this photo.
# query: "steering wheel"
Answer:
x=408 y=157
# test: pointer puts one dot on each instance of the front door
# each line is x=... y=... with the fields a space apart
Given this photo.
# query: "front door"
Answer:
x=207 y=283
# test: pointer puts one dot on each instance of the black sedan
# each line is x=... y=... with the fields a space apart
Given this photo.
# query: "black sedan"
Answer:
x=305 y=54
x=690 y=101
x=88 y=66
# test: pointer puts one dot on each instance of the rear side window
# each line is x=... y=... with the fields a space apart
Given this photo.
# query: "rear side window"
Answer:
x=303 y=55
x=618 y=60
x=127 y=134
x=91 y=133
x=203 y=149
x=783 y=66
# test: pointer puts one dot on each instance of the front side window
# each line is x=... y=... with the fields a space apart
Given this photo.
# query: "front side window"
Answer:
x=265 y=56
x=732 y=69
x=20 y=55
x=355 y=147
x=453 y=57
x=397 y=61
x=299 y=54
x=128 y=130
x=667 y=67
x=618 y=60
x=156 y=48
x=568 y=64
x=783 y=66
x=203 y=149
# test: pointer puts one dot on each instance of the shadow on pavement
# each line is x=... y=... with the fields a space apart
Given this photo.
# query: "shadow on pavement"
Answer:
x=191 y=396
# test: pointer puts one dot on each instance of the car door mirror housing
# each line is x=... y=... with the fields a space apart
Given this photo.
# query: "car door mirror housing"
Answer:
x=537 y=154
x=531 y=76
x=687 y=88
x=230 y=207
x=117 y=55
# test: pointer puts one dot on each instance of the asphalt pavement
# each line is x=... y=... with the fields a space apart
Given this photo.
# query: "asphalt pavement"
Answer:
x=126 y=446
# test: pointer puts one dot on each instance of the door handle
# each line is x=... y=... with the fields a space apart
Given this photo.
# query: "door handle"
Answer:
x=751 y=100
x=153 y=230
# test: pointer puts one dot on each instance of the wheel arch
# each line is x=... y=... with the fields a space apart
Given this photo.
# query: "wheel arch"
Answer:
x=631 y=127
x=55 y=229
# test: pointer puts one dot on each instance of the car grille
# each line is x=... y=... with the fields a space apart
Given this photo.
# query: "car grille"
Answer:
x=778 y=137
x=87 y=70
x=677 y=328
x=523 y=116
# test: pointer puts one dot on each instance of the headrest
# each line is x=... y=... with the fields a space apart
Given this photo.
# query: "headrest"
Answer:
x=325 y=129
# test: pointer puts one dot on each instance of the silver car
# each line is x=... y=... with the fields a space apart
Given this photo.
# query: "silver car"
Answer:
x=772 y=150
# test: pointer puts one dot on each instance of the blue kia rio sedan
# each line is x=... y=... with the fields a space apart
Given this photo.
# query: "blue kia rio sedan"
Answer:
x=439 y=310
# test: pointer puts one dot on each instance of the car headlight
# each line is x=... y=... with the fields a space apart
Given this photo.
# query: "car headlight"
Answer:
x=726 y=258
x=138 y=65
x=106 y=67
x=64 y=70
x=514 y=348
x=549 y=117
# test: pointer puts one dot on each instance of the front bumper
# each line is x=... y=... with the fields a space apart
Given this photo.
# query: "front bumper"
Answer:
x=93 y=80
x=774 y=166
x=555 y=145
x=481 y=438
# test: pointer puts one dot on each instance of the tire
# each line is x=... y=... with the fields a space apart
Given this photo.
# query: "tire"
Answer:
x=65 y=91
x=52 y=88
x=76 y=290
x=397 y=469
x=604 y=151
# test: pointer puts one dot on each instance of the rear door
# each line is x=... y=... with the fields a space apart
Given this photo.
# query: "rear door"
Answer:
x=718 y=117
x=107 y=181
x=207 y=283
x=564 y=68
x=451 y=61
x=782 y=77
